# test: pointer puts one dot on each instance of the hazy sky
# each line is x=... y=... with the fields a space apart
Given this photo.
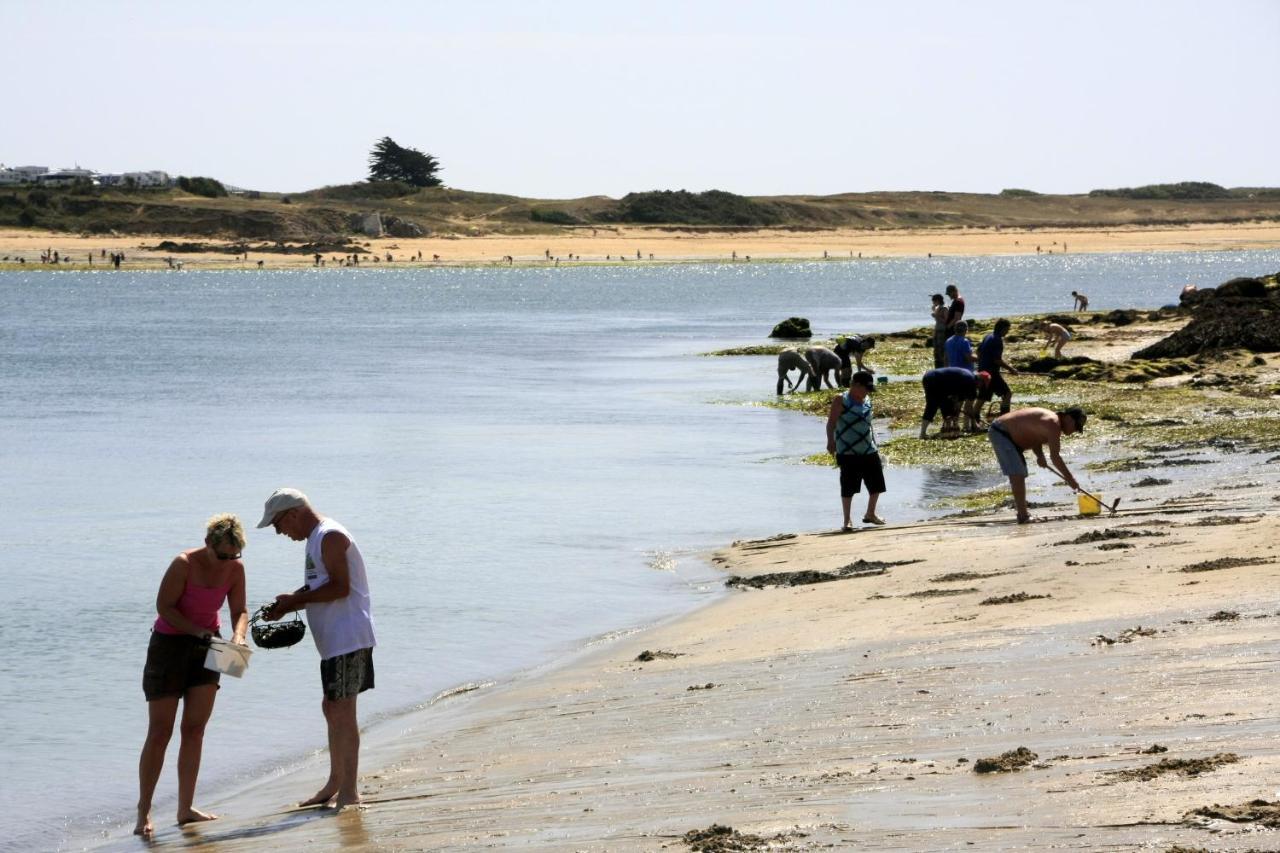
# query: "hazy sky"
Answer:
x=567 y=99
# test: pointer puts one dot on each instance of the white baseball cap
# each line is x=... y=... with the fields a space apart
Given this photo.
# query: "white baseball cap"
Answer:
x=281 y=500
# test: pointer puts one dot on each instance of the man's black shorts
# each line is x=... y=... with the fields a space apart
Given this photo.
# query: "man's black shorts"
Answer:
x=997 y=388
x=855 y=468
x=175 y=662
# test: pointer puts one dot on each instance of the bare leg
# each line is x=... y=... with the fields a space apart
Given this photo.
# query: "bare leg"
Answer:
x=160 y=716
x=847 y=505
x=1018 y=484
x=197 y=706
x=330 y=788
x=344 y=749
x=872 y=499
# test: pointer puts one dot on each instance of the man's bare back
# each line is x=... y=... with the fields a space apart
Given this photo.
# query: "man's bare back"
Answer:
x=1032 y=428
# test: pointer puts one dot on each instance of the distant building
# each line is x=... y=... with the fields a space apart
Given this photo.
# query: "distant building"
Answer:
x=65 y=177
x=21 y=174
x=154 y=178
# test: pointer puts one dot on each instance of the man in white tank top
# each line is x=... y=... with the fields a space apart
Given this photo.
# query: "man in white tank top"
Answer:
x=336 y=597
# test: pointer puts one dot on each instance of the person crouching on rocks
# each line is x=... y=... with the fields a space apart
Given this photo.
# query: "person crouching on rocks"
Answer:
x=851 y=438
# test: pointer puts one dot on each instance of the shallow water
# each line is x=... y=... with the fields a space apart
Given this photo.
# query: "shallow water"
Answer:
x=528 y=458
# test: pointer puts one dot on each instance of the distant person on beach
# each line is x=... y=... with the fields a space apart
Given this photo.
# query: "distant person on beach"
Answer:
x=1080 y=303
x=939 y=312
x=958 y=350
x=955 y=311
x=188 y=605
x=789 y=360
x=1055 y=336
x=991 y=361
x=1013 y=434
x=336 y=598
x=951 y=390
x=852 y=439
x=823 y=364
x=851 y=350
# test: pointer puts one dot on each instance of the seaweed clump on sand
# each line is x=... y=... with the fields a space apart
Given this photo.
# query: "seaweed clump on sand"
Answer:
x=1108 y=535
x=1007 y=762
x=718 y=838
x=1181 y=766
x=1015 y=598
x=1225 y=563
x=805 y=577
x=1260 y=812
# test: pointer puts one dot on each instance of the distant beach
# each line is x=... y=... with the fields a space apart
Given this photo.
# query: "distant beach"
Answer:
x=620 y=245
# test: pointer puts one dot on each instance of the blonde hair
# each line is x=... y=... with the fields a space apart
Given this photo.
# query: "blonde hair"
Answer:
x=224 y=528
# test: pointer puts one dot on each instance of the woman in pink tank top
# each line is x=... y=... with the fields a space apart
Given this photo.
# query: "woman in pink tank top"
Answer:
x=189 y=602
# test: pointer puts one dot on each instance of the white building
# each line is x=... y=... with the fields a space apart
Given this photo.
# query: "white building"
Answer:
x=65 y=177
x=21 y=174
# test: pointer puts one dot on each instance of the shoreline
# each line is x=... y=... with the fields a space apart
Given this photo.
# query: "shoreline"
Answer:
x=655 y=246
x=852 y=712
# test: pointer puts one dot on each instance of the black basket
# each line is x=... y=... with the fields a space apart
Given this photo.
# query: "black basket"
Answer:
x=275 y=635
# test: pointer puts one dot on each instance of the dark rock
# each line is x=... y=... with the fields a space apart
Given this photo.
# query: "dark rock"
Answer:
x=1007 y=762
x=397 y=227
x=792 y=328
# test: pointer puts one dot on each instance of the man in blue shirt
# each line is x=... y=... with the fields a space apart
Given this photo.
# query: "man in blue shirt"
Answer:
x=991 y=360
x=959 y=351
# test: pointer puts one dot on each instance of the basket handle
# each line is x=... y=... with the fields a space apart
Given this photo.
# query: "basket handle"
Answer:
x=259 y=615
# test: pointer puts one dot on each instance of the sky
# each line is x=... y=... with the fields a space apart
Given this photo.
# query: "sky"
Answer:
x=571 y=99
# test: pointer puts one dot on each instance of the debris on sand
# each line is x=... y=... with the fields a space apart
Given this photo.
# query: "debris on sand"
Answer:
x=804 y=577
x=1222 y=520
x=756 y=543
x=1225 y=563
x=1128 y=635
x=1107 y=535
x=725 y=839
x=1260 y=812
x=1181 y=766
x=939 y=593
x=956 y=577
x=1007 y=763
x=708 y=686
x=1154 y=749
x=646 y=655
x=1114 y=546
x=1224 y=616
x=1148 y=482
x=1016 y=598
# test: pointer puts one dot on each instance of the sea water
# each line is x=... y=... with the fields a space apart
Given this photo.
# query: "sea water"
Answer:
x=528 y=458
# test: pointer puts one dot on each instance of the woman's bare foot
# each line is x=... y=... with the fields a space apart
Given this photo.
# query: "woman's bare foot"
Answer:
x=194 y=816
x=322 y=798
x=345 y=803
x=144 y=827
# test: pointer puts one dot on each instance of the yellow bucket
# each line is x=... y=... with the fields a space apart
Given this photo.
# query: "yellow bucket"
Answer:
x=1089 y=505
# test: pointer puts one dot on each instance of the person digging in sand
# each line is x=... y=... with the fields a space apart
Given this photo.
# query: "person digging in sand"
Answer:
x=1055 y=336
x=851 y=438
x=1013 y=434
x=191 y=594
x=336 y=598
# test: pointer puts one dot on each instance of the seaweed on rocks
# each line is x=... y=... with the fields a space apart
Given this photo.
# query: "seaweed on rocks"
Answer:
x=1260 y=812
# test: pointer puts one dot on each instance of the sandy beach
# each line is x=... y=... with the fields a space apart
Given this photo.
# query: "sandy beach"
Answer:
x=620 y=245
x=850 y=691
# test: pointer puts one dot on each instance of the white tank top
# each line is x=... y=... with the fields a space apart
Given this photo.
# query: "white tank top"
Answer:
x=346 y=625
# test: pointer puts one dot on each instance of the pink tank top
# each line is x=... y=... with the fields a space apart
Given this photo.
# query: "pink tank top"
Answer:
x=201 y=604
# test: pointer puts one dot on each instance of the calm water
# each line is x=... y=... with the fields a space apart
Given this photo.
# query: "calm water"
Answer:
x=528 y=458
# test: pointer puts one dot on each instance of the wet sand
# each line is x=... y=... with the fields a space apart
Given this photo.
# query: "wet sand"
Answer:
x=620 y=245
x=852 y=713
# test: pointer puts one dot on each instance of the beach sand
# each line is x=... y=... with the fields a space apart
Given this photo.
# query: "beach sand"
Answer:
x=605 y=245
x=851 y=713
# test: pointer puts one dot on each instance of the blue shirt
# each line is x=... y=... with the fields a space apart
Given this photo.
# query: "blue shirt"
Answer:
x=958 y=350
x=990 y=354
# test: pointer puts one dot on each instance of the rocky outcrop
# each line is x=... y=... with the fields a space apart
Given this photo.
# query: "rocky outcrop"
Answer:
x=792 y=328
x=1243 y=313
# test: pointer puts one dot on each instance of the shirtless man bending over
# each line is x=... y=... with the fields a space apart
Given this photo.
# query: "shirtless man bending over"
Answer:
x=1031 y=429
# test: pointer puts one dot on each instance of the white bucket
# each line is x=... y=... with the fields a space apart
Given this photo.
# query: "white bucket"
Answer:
x=227 y=658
